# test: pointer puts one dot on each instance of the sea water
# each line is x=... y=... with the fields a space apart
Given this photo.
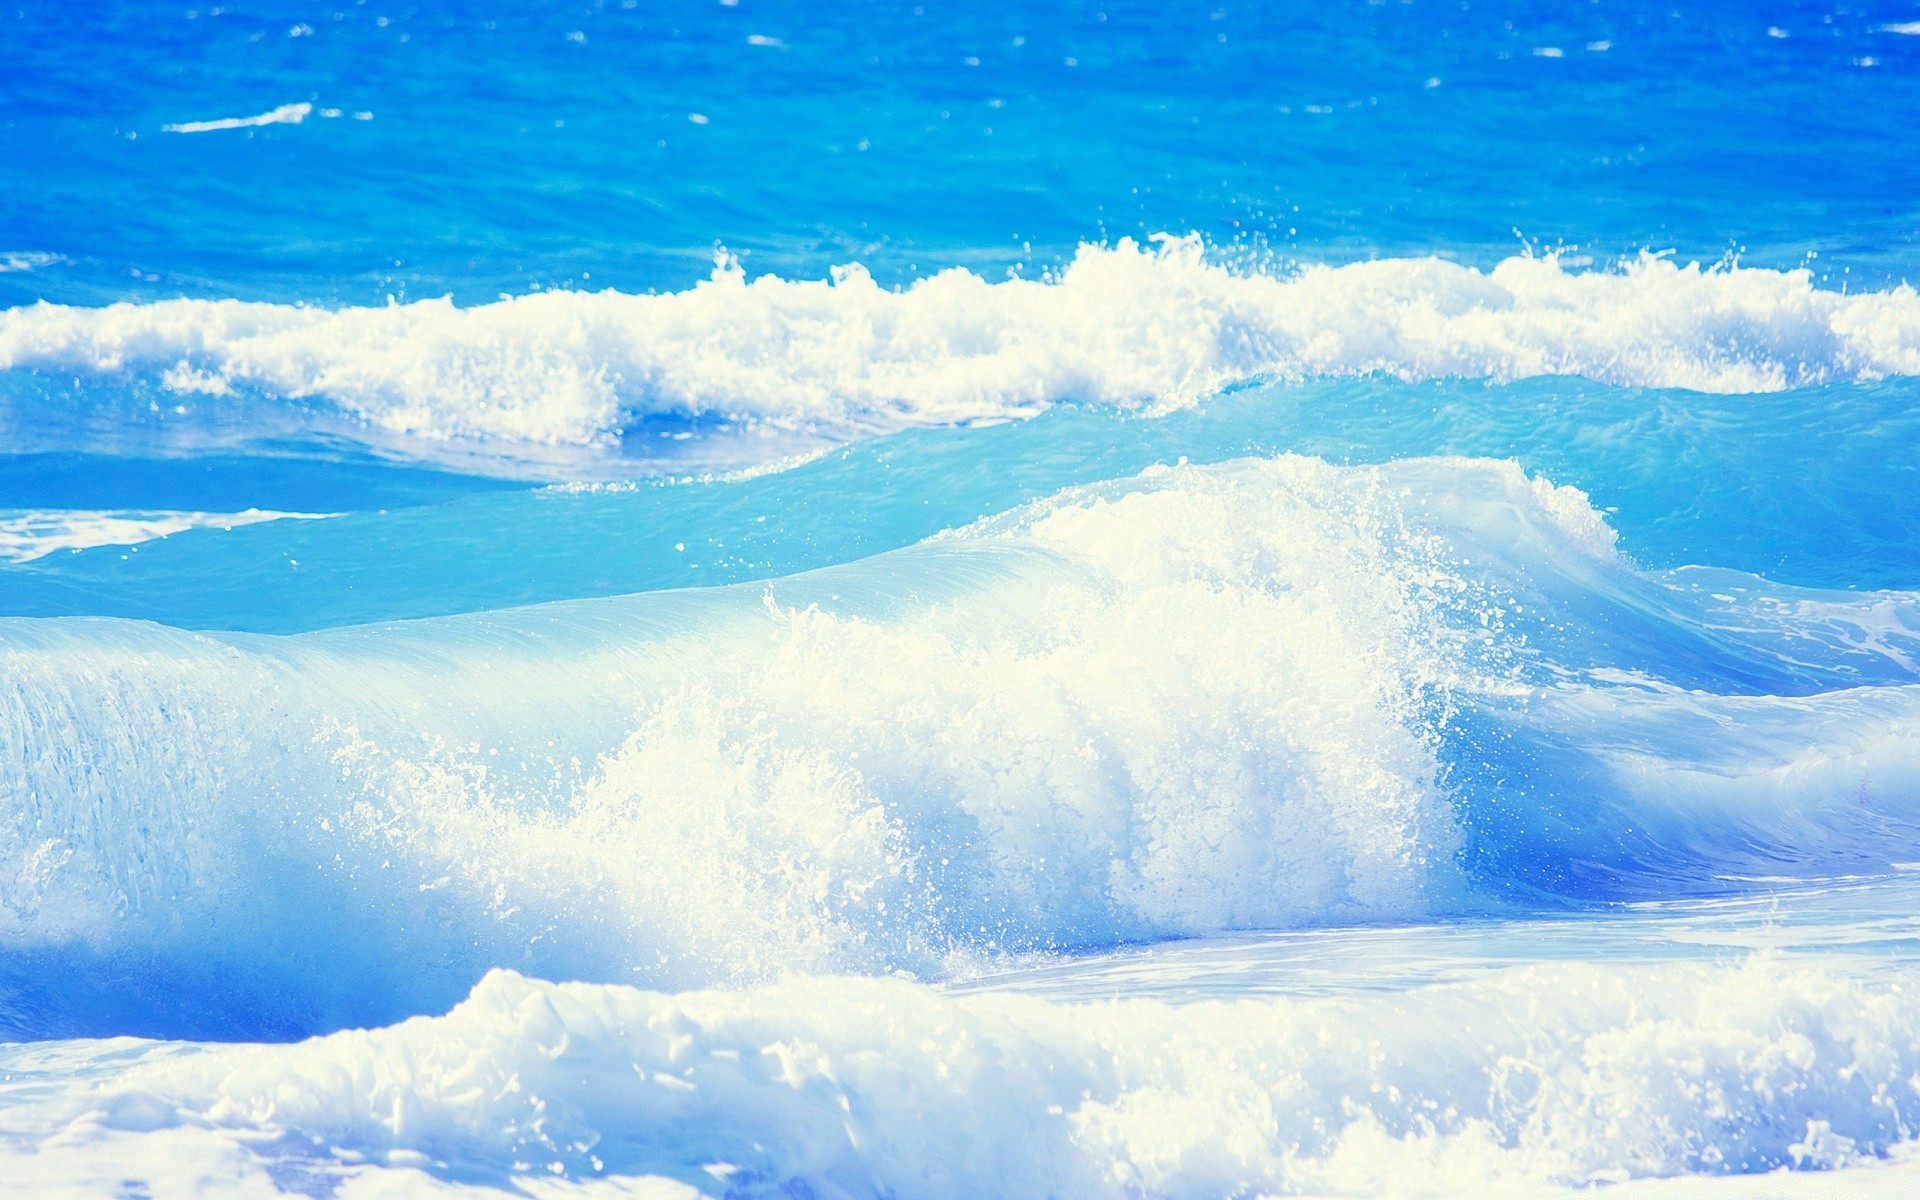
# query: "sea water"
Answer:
x=934 y=600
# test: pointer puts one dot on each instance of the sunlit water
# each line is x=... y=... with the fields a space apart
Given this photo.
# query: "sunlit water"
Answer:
x=760 y=599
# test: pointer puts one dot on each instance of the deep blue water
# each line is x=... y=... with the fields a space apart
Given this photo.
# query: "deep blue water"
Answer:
x=886 y=600
x=549 y=145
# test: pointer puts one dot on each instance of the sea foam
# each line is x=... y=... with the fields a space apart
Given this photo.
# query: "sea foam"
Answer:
x=286 y=114
x=1264 y=694
x=1125 y=325
x=1561 y=1075
x=27 y=534
x=993 y=742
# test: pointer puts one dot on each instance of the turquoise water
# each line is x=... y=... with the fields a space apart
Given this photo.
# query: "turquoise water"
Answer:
x=750 y=599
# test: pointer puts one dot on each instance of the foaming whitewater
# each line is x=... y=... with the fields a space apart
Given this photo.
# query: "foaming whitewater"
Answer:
x=881 y=813
x=1267 y=694
x=837 y=358
x=1569 y=1075
x=841 y=665
x=992 y=743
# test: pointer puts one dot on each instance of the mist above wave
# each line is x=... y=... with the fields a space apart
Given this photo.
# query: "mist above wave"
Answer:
x=1120 y=325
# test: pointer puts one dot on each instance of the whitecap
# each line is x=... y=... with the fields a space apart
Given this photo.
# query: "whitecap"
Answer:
x=28 y=260
x=1129 y=326
x=286 y=114
x=1523 y=1083
x=27 y=534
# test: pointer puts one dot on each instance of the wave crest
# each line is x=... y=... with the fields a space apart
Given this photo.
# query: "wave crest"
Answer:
x=1126 y=325
x=1263 y=694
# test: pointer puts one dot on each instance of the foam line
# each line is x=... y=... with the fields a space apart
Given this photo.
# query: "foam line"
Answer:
x=286 y=114
x=27 y=534
x=27 y=260
x=1124 y=325
x=1559 y=1076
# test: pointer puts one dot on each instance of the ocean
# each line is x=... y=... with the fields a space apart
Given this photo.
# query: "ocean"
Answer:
x=672 y=598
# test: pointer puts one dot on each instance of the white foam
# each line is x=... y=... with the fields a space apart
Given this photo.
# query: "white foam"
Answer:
x=28 y=260
x=1270 y=693
x=1124 y=325
x=1017 y=753
x=286 y=114
x=27 y=534
x=1045 y=776
x=1558 y=1076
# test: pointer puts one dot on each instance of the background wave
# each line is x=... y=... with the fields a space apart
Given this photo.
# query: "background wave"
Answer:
x=841 y=358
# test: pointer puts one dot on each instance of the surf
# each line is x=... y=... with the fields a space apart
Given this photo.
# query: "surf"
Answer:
x=829 y=360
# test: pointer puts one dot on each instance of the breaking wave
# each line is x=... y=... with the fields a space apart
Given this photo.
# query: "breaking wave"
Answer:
x=1122 y=325
x=1266 y=694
